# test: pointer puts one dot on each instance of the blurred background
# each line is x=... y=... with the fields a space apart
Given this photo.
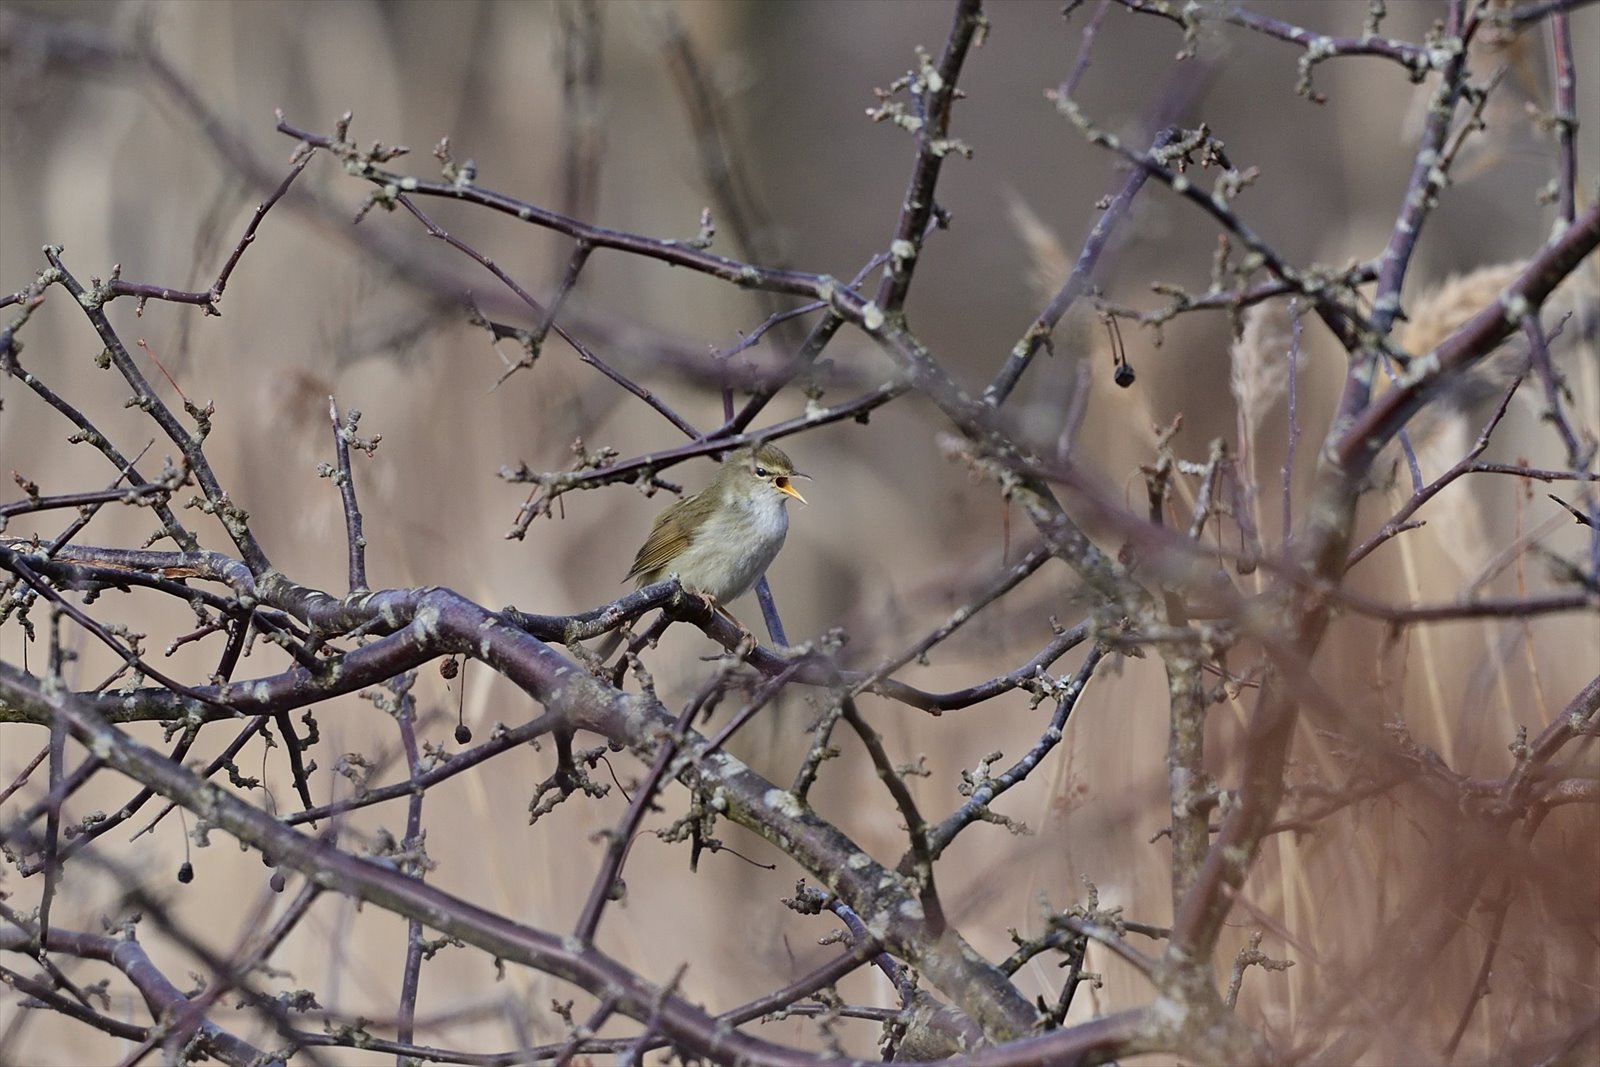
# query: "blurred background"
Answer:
x=108 y=156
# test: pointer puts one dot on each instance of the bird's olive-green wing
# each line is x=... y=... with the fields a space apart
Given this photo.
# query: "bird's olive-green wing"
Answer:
x=666 y=542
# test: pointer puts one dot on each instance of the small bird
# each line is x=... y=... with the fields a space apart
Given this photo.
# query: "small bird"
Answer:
x=722 y=539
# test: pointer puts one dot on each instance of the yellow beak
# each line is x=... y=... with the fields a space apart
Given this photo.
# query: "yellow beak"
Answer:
x=783 y=486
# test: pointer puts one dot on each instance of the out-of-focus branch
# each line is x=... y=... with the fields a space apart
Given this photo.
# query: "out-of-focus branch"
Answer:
x=158 y=992
x=1358 y=443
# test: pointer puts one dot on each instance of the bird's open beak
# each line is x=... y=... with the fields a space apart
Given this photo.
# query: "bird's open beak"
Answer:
x=783 y=486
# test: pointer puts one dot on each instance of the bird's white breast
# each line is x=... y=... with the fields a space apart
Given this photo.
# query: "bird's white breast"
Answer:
x=734 y=547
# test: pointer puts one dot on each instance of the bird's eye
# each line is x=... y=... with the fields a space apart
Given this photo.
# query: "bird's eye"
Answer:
x=761 y=472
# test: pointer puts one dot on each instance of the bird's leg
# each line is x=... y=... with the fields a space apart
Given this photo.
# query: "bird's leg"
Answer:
x=747 y=640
